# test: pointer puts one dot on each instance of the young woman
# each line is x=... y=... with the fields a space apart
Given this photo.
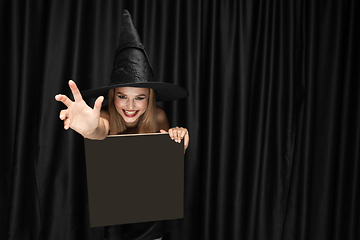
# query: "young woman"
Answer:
x=132 y=95
x=130 y=110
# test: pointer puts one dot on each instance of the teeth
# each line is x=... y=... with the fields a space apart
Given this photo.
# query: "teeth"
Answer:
x=130 y=112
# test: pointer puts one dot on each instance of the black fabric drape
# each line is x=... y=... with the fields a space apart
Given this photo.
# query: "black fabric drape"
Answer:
x=324 y=191
x=273 y=113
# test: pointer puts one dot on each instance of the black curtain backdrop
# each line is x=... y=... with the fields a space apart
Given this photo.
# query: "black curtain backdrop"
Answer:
x=273 y=113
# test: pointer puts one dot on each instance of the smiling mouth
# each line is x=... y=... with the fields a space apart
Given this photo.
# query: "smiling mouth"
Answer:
x=130 y=113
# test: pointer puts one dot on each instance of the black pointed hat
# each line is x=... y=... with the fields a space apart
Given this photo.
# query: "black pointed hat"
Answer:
x=132 y=67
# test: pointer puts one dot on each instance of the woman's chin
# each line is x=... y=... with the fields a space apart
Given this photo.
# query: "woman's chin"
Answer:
x=132 y=121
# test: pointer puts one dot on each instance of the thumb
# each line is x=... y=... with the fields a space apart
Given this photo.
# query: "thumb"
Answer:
x=162 y=131
x=98 y=103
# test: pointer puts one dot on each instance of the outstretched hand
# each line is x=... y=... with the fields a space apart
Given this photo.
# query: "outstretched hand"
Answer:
x=78 y=115
x=177 y=134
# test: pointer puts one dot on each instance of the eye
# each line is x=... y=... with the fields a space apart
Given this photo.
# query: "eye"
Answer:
x=121 y=96
x=140 y=98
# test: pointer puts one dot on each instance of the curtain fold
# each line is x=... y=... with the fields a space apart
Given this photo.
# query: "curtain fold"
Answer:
x=273 y=113
x=326 y=171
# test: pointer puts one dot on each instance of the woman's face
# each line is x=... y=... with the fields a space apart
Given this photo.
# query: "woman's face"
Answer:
x=131 y=103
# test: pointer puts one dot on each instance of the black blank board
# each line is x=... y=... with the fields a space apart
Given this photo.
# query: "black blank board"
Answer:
x=134 y=178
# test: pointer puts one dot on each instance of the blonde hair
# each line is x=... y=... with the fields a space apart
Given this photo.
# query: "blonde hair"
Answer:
x=147 y=121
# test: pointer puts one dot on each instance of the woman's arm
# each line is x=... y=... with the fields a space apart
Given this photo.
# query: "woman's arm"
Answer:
x=89 y=122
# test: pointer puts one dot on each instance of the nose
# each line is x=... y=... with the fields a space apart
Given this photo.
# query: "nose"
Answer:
x=131 y=104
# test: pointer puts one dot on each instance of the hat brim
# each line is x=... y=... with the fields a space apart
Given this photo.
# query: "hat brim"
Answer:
x=164 y=91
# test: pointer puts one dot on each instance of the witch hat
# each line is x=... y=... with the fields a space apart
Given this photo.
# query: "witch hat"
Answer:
x=132 y=68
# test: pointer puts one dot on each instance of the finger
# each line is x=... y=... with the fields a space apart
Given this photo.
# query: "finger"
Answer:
x=67 y=123
x=98 y=103
x=180 y=134
x=63 y=114
x=175 y=133
x=186 y=141
x=75 y=91
x=176 y=136
x=183 y=134
x=64 y=99
x=171 y=133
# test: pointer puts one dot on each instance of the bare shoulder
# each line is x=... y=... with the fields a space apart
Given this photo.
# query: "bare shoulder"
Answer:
x=160 y=114
x=162 y=119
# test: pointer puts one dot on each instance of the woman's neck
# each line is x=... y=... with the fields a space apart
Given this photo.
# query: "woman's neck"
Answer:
x=132 y=127
x=131 y=130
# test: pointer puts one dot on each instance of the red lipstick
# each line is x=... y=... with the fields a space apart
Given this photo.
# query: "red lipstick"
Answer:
x=130 y=115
